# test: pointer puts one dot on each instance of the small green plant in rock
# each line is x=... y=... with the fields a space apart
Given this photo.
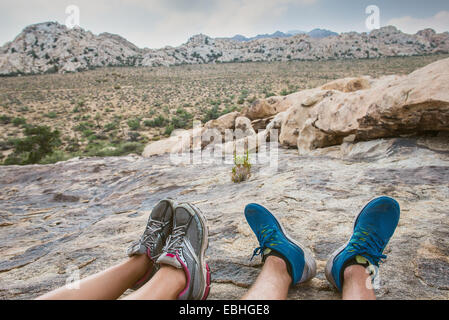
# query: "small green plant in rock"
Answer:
x=242 y=168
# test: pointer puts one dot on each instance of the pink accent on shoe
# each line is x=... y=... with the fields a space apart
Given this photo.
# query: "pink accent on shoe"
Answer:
x=171 y=255
x=206 y=292
x=187 y=272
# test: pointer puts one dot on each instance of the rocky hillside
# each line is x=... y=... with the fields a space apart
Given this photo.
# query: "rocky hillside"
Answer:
x=51 y=47
x=315 y=33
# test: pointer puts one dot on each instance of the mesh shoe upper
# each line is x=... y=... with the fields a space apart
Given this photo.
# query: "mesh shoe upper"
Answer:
x=373 y=228
x=270 y=234
x=185 y=249
x=156 y=231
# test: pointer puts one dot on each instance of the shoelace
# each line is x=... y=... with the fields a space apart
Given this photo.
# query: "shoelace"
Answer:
x=149 y=237
x=267 y=235
x=174 y=241
x=369 y=243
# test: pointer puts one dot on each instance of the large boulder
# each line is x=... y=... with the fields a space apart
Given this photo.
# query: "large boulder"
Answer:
x=261 y=124
x=180 y=141
x=224 y=122
x=243 y=127
x=392 y=106
x=348 y=84
x=264 y=108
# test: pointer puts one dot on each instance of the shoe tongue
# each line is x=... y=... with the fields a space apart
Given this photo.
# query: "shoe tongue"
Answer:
x=182 y=217
x=170 y=259
x=266 y=251
x=162 y=212
x=362 y=260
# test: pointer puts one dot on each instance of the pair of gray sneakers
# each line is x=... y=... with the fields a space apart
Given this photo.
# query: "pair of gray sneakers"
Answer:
x=176 y=234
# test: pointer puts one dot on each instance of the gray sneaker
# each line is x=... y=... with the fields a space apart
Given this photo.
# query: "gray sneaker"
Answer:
x=185 y=249
x=159 y=226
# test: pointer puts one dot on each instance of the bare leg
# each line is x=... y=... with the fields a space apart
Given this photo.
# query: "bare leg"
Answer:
x=106 y=285
x=355 y=285
x=272 y=283
x=166 y=284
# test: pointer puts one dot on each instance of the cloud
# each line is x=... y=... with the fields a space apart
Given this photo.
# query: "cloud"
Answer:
x=178 y=20
x=154 y=23
x=439 y=22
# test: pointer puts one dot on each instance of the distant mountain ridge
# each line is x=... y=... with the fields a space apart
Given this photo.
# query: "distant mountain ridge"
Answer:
x=51 y=47
x=315 y=33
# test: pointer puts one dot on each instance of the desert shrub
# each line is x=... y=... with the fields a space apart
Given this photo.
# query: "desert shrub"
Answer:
x=38 y=142
x=113 y=150
x=73 y=145
x=87 y=133
x=7 y=145
x=55 y=156
x=169 y=129
x=83 y=126
x=110 y=126
x=212 y=113
x=159 y=121
x=91 y=136
x=18 y=121
x=134 y=136
x=229 y=109
x=4 y=119
x=130 y=147
x=51 y=115
x=134 y=124
x=182 y=119
x=284 y=92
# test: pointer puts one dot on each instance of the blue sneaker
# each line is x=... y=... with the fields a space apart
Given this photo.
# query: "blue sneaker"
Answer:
x=272 y=236
x=373 y=228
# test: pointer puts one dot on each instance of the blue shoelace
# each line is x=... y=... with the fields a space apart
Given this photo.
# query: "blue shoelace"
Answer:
x=267 y=235
x=366 y=242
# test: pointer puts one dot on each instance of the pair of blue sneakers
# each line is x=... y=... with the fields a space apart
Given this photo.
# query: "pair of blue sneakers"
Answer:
x=373 y=228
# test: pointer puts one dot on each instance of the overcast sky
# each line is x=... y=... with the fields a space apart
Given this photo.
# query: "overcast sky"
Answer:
x=154 y=24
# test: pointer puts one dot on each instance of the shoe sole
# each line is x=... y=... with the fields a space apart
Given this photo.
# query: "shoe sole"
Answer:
x=308 y=256
x=205 y=270
x=330 y=261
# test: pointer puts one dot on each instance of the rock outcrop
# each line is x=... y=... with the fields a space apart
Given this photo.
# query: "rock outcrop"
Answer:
x=244 y=125
x=83 y=213
x=351 y=109
x=51 y=47
x=386 y=107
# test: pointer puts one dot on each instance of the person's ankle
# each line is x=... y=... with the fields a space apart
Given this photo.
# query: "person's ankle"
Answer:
x=177 y=276
x=141 y=263
x=279 y=265
x=354 y=271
